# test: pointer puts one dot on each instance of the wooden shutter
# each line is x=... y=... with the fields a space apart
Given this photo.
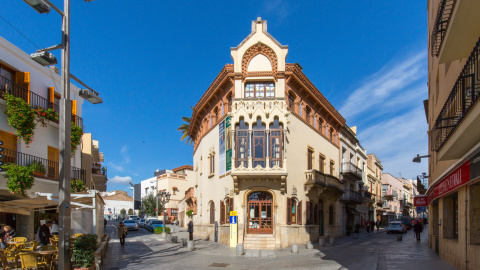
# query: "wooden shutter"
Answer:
x=222 y=212
x=9 y=147
x=289 y=211
x=51 y=97
x=52 y=163
x=26 y=84
x=307 y=213
x=299 y=213
x=74 y=111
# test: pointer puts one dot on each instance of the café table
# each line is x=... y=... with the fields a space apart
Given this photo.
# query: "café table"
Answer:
x=47 y=254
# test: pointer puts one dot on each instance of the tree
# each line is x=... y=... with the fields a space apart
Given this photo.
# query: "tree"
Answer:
x=130 y=211
x=123 y=211
x=149 y=205
x=184 y=130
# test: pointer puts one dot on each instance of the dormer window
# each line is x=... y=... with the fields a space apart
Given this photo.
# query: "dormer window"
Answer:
x=260 y=90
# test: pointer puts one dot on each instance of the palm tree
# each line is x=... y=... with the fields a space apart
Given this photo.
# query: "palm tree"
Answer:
x=184 y=130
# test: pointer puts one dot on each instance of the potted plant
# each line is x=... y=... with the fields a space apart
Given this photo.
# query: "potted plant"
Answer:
x=168 y=235
x=38 y=168
x=21 y=117
x=158 y=230
x=20 y=178
x=83 y=249
x=77 y=185
x=349 y=229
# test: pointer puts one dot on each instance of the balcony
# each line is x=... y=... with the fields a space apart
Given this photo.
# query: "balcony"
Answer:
x=317 y=180
x=389 y=194
x=404 y=203
x=51 y=167
x=35 y=101
x=380 y=201
x=191 y=200
x=461 y=29
x=456 y=129
x=351 y=196
x=367 y=196
x=440 y=27
x=349 y=168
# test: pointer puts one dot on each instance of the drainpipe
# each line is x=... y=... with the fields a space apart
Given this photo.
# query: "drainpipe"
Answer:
x=466 y=227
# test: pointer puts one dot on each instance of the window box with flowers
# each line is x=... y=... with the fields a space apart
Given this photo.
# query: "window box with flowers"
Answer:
x=38 y=168
x=44 y=116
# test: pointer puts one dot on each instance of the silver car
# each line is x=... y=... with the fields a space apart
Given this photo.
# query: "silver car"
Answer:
x=141 y=223
x=397 y=227
x=131 y=224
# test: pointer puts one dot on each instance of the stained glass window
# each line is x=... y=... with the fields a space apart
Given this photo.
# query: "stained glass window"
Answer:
x=259 y=90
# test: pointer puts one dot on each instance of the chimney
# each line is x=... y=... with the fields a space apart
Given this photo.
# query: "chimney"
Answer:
x=354 y=129
x=259 y=25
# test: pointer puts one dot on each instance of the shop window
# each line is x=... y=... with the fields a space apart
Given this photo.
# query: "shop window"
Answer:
x=450 y=216
x=331 y=215
x=474 y=214
x=259 y=90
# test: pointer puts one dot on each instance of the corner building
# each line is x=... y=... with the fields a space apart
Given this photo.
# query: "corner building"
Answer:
x=266 y=144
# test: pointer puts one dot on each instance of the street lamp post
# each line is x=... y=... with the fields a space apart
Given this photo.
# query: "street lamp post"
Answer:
x=164 y=198
x=64 y=210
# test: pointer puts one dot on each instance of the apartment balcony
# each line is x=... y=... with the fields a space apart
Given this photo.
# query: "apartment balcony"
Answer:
x=349 y=168
x=404 y=203
x=389 y=194
x=456 y=129
x=316 y=180
x=368 y=197
x=456 y=29
x=190 y=200
x=50 y=169
x=35 y=101
x=172 y=176
x=353 y=197
x=99 y=177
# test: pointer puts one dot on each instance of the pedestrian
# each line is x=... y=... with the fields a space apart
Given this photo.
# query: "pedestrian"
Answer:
x=190 y=230
x=44 y=233
x=378 y=225
x=417 y=228
x=7 y=234
x=372 y=225
x=54 y=228
x=122 y=233
x=367 y=226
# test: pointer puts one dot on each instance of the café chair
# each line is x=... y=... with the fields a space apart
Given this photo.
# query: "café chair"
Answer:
x=8 y=265
x=30 y=261
x=30 y=246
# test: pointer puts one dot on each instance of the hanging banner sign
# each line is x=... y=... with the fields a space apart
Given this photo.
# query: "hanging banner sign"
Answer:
x=221 y=146
x=228 y=145
x=420 y=201
x=454 y=180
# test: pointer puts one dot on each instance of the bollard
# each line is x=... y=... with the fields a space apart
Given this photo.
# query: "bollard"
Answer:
x=321 y=242
x=399 y=237
x=332 y=240
x=294 y=248
x=174 y=239
x=190 y=245
x=184 y=242
x=309 y=245
x=168 y=237
x=240 y=250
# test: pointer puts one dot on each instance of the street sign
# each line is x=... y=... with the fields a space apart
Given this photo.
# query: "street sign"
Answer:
x=233 y=219
x=233 y=213
x=233 y=229
x=421 y=209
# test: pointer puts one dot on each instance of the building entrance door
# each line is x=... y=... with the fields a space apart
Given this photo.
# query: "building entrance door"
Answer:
x=260 y=213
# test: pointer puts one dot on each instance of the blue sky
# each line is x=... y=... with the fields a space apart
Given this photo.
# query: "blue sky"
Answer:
x=151 y=60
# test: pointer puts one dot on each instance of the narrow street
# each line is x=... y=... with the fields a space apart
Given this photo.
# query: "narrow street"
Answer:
x=144 y=250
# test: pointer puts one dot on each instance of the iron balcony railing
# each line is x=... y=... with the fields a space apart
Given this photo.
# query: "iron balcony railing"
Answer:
x=462 y=98
x=351 y=195
x=348 y=167
x=367 y=195
x=35 y=101
x=439 y=30
x=48 y=169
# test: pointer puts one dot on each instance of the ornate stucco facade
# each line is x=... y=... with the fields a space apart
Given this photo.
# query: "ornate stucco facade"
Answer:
x=282 y=172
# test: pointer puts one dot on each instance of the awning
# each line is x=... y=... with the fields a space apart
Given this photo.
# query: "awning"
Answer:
x=353 y=211
x=81 y=200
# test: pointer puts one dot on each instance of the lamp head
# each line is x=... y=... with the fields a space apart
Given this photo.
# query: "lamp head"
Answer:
x=417 y=159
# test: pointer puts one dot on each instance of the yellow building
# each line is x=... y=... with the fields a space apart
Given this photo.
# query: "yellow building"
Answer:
x=453 y=114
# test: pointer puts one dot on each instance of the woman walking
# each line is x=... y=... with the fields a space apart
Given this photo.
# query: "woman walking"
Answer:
x=122 y=233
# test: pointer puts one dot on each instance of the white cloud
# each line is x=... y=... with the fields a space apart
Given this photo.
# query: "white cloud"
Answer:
x=115 y=166
x=120 y=179
x=382 y=86
x=124 y=152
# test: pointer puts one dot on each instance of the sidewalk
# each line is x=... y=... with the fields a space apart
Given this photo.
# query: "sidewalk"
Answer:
x=343 y=240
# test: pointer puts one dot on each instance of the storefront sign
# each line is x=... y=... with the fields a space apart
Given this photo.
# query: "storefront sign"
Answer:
x=420 y=201
x=454 y=180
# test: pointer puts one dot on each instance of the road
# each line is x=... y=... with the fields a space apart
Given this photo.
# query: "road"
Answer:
x=144 y=250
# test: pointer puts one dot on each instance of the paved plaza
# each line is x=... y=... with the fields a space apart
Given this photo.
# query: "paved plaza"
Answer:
x=144 y=250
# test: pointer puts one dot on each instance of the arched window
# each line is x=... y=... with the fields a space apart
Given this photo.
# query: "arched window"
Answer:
x=331 y=134
x=300 y=109
x=212 y=212
x=320 y=124
x=210 y=125
x=229 y=98
x=258 y=144
x=216 y=114
x=331 y=215
x=291 y=101
x=307 y=114
x=276 y=143
x=223 y=108
x=294 y=211
x=241 y=144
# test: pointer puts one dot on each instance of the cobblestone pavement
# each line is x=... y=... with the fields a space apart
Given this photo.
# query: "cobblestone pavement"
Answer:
x=144 y=250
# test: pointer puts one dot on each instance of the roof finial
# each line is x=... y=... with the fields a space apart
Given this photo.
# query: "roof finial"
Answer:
x=259 y=18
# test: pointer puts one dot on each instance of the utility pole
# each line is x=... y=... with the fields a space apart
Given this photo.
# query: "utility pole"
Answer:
x=64 y=210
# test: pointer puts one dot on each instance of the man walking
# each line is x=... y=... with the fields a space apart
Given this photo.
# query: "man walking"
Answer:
x=378 y=225
x=417 y=228
x=190 y=230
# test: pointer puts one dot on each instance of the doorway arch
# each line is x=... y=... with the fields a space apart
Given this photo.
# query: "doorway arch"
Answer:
x=260 y=212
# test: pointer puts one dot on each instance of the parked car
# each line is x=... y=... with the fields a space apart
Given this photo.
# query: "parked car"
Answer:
x=153 y=224
x=131 y=224
x=147 y=220
x=132 y=217
x=141 y=223
x=396 y=227
x=407 y=221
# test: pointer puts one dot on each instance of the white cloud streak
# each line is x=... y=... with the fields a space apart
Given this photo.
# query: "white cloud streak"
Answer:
x=120 y=179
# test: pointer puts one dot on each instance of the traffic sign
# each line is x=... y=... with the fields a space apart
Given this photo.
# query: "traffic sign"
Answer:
x=233 y=213
x=421 y=209
x=233 y=219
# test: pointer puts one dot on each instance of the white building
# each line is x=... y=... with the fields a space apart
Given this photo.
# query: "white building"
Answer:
x=115 y=202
